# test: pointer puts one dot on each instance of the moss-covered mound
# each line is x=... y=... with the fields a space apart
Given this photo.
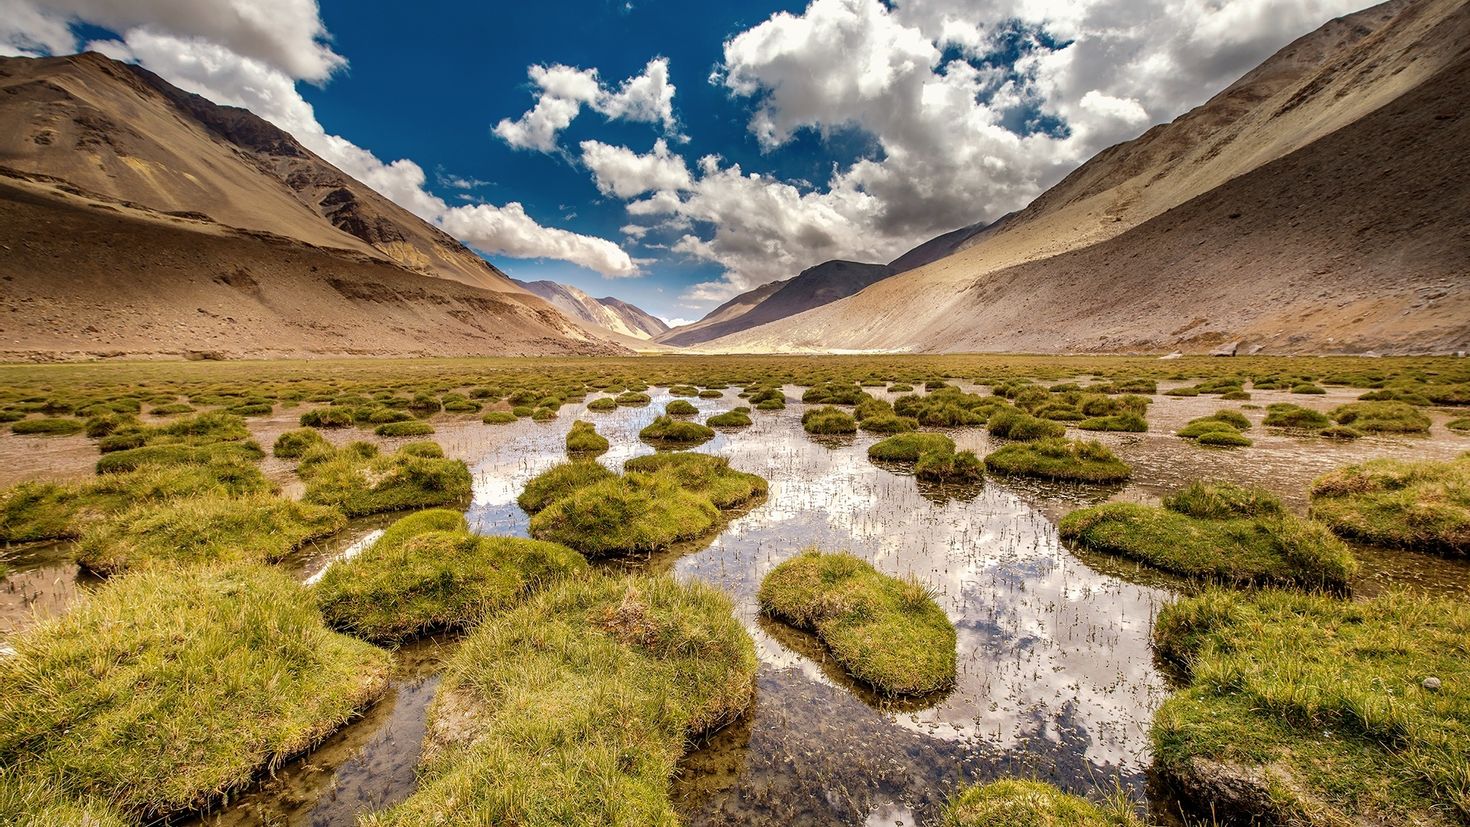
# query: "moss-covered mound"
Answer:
x=132 y=459
x=502 y=417
x=887 y=632
x=680 y=407
x=295 y=443
x=34 y=511
x=1013 y=803
x=738 y=418
x=1302 y=709
x=1423 y=506
x=416 y=476
x=662 y=500
x=169 y=688
x=1127 y=421
x=1295 y=417
x=908 y=447
x=575 y=707
x=828 y=421
x=403 y=428
x=939 y=465
x=1021 y=426
x=704 y=474
x=1058 y=459
x=584 y=440
x=627 y=514
x=1217 y=532
x=667 y=431
x=257 y=528
x=559 y=481
x=430 y=574
x=632 y=398
x=48 y=426
x=1382 y=417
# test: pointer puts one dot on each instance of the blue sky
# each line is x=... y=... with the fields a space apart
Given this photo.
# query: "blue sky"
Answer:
x=677 y=155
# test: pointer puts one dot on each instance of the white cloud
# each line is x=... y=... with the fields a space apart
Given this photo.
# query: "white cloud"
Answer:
x=624 y=173
x=562 y=91
x=951 y=152
x=216 y=71
x=284 y=33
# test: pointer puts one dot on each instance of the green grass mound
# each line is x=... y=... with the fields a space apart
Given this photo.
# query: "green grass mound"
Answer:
x=703 y=474
x=178 y=454
x=1013 y=803
x=258 y=528
x=431 y=576
x=1341 y=432
x=48 y=426
x=32 y=803
x=1217 y=532
x=666 y=430
x=1302 y=709
x=170 y=688
x=908 y=447
x=33 y=511
x=333 y=417
x=628 y=514
x=680 y=407
x=834 y=393
x=683 y=390
x=730 y=419
x=889 y=423
x=1127 y=421
x=1221 y=429
x=885 y=631
x=939 y=465
x=603 y=403
x=1021 y=426
x=1295 y=417
x=1382 y=417
x=828 y=421
x=575 y=707
x=1423 y=506
x=1058 y=459
x=633 y=398
x=500 y=418
x=1224 y=439
x=560 y=481
x=1461 y=424
x=407 y=427
x=295 y=443
x=416 y=476
x=584 y=440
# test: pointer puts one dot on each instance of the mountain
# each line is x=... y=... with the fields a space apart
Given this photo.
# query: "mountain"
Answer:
x=193 y=227
x=607 y=312
x=1318 y=204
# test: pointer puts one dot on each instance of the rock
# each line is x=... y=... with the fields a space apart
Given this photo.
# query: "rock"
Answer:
x=1227 y=349
x=1175 y=355
x=1432 y=684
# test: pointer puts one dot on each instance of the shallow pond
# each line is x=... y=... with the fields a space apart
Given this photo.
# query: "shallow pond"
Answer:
x=1056 y=675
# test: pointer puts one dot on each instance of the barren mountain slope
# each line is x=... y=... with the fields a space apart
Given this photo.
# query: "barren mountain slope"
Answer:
x=87 y=278
x=121 y=131
x=731 y=309
x=609 y=313
x=1313 y=87
x=813 y=287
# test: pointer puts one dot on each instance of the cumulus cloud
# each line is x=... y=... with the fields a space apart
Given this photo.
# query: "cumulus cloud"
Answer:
x=263 y=80
x=943 y=87
x=562 y=91
x=624 y=173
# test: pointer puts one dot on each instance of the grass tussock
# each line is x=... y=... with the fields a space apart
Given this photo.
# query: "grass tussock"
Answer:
x=170 y=688
x=885 y=631
x=257 y=528
x=1069 y=460
x=404 y=428
x=669 y=432
x=584 y=440
x=737 y=418
x=680 y=407
x=1295 y=417
x=33 y=511
x=500 y=417
x=1319 y=707
x=575 y=707
x=939 y=465
x=1016 y=803
x=48 y=426
x=1382 y=417
x=661 y=500
x=1023 y=427
x=1219 y=532
x=828 y=421
x=359 y=482
x=1423 y=506
x=178 y=454
x=295 y=443
x=428 y=573
x=909 y=447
